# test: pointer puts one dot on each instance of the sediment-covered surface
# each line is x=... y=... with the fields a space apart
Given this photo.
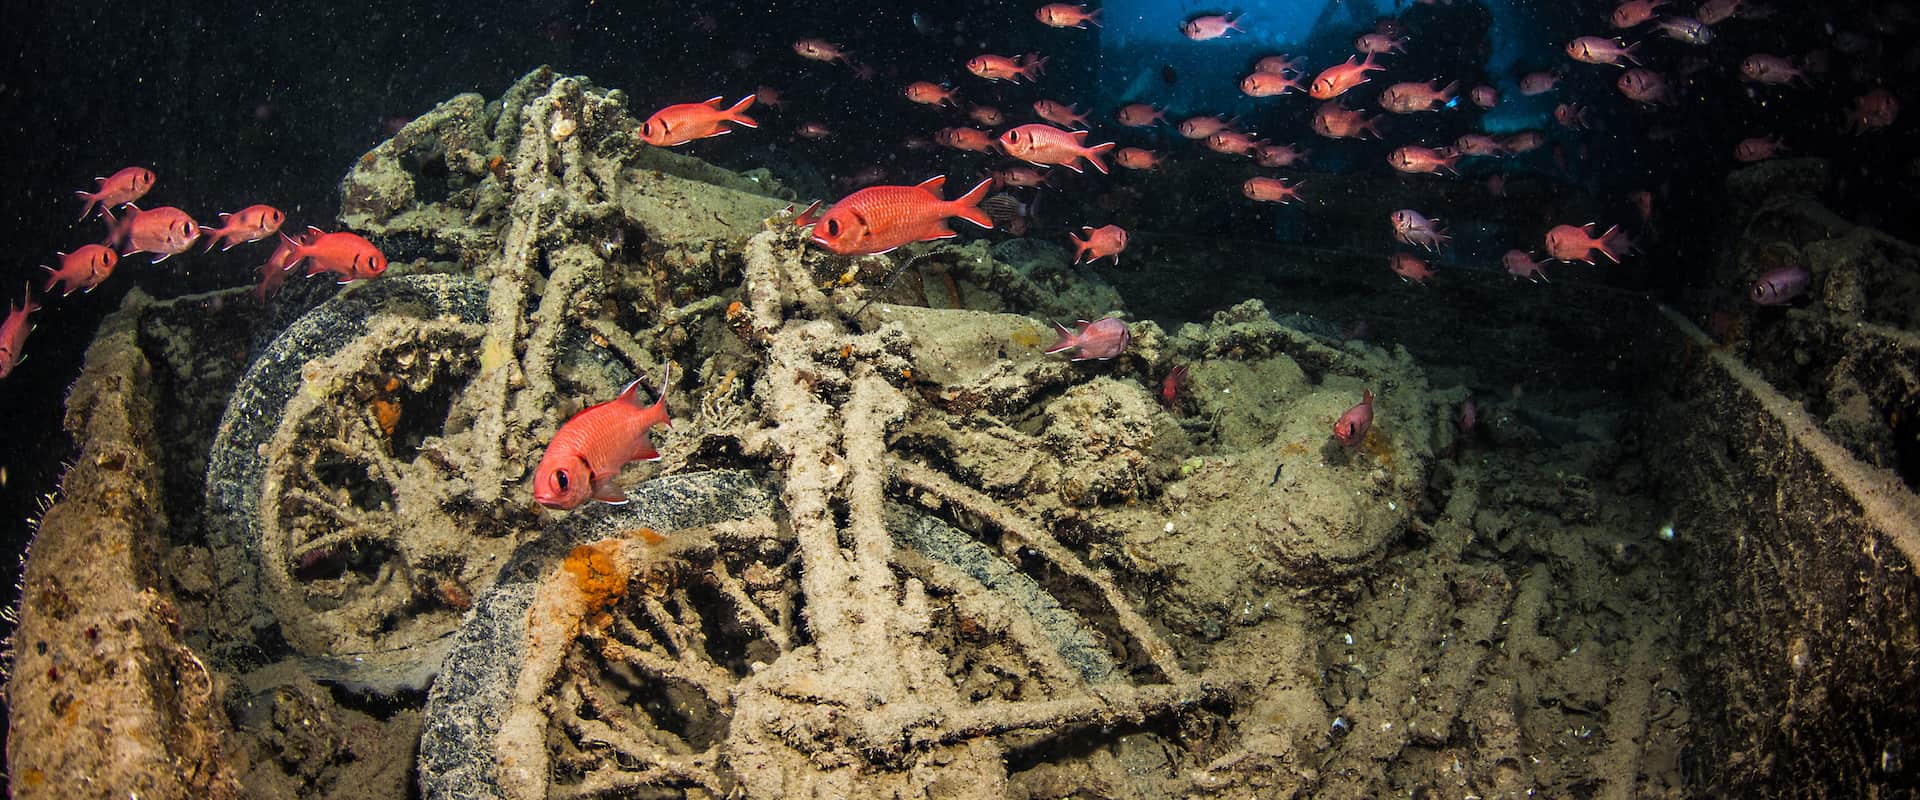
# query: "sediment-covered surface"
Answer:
x=892 y=549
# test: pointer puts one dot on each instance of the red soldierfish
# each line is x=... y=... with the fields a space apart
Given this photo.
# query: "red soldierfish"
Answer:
x=1635 y=12
x=1279 y=155
x=163 y=232
x=1139 y=115
x=929 y=93
x=1061 y=114
x=1170 y=385
x=1202 y=127
x=1336 y=121
x=1268 y=84
x=13 y=335
x=1023 y=177
x=1380 y=43
x=1234 y=143
x=1685 y=29
x=274 y=271
x=1602 y=50
x=1066 y=15
x=82 y=269
x=1775 y=288
x=1769 y=69
x=685 y=122
x=344 y=254
x=1280 y=65
x=116 y=190
x=1416 y=229
x=970 y=139
x=1485 y=96
x=1873 y=110
x=1520 y=264
x=880 y=218
x=1415 y=159
x=820 y=50
x=1136 y=158
x=1337 y=79
x=1537 y=83
x=1643 y=85
x=1410 y=268
x=1096 y=340
x=1758 y=148
x=1271 y=190
x=1351 y=428
x=1002 y=68
x=1211 y=26
x=1576 y=243
x=250 y=224
x=586 y=454
x=1044 y=144
x=1415 y=97
x=1103 y=242
x=1714 y=12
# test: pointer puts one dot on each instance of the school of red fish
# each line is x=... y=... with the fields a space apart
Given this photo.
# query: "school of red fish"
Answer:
x=591 y=447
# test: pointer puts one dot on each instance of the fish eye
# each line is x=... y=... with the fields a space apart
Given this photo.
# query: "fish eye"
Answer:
x=646 y=129
x=833 y=227
x=560 y=479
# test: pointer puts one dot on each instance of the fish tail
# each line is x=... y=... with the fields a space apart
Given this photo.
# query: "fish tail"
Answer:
x=1095 y=18
x=659 y=406
x=87 y=210
x=967 y=206
x=1066 y=339
x=1092 y=155
x=737 y=114
x=1627 y=53
x=1607 y=242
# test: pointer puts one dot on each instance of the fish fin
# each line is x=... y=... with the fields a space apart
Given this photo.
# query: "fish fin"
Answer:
x=809 y=216
x=933 y=185
x=1093 y=155
x=1606 y=244
x=737 y=114
x=644 y=450
x=967 y=206
x=162 y=257
x=1366 y=396
x=712 y=102
x=1066 y=339
x=610 y=494
x=630 y=394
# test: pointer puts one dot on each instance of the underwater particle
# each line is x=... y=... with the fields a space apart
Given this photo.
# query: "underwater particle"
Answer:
x=1665 y=532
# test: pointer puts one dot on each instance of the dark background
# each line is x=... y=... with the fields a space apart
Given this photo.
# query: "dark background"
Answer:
x=232 y=104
